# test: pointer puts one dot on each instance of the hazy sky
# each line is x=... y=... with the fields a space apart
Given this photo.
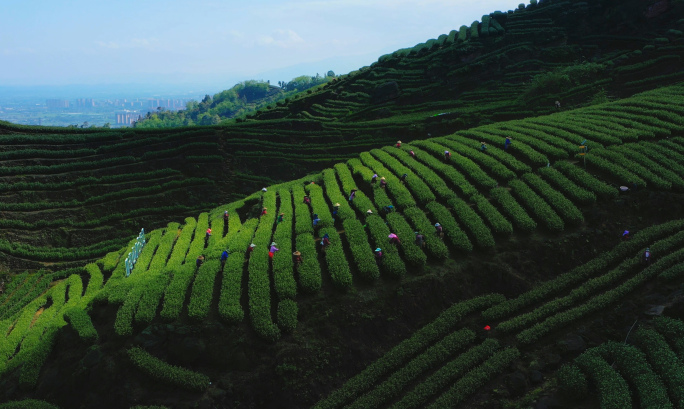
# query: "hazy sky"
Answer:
x=58 y=42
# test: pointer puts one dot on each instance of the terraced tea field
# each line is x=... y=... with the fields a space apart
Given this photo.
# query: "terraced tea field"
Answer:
x=69 y=198
x=482 y=198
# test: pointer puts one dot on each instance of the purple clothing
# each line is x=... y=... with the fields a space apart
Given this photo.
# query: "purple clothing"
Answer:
x=274 y=249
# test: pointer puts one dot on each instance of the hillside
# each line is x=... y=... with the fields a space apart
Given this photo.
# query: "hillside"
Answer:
x=512 y=226
x=534 y=296
x=577 y=53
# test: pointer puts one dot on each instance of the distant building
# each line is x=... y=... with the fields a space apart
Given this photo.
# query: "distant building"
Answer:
x=57 y=103
x=85 y=102
x=127 y=117
x=171 y=104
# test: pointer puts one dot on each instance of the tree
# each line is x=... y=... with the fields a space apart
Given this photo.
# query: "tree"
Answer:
x=331 y=73
x=106 y=125
x=85 y=124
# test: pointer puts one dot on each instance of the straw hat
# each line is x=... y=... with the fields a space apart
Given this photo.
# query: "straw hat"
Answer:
x=383 y=178
x=398 y=141
x=297 y=253
x=273 y=244
x=337 y=205
x=252 y=245
x=369 y=211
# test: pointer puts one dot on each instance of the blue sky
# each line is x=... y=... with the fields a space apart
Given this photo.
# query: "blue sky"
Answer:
x=213 y=43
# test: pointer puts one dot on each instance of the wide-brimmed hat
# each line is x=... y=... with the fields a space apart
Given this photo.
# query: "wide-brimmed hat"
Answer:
x=383 y=178
x=398 y=141
x=337 y=205
x=437 y=224
x=378 y=249
x=273 y=243
x=369 y=211
x=252 y=245
x=297 y=253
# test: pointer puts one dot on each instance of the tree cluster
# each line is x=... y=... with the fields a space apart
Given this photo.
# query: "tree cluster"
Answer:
x=245 y=97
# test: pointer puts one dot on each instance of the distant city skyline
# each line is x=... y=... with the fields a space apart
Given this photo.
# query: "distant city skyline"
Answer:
x=112 y=111
x=211 y=44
